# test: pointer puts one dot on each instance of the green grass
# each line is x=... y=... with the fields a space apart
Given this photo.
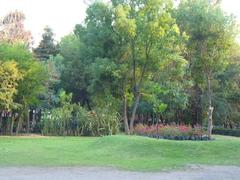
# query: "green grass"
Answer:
x=126 y=152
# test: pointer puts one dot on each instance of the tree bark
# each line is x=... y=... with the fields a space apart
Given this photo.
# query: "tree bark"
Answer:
x=19 y=124
x=210 y=108
x=134 y=68
x=0 y=121
x=210 y=121
x=134 y=112
x=126 y=127
x=12 y=124
x=28 y=120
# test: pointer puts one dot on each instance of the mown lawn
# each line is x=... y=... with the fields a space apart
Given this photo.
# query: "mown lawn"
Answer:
x=126 y=152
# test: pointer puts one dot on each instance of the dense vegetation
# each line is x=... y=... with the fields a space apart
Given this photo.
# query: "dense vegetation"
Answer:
x=227 y=132
x=129 y=62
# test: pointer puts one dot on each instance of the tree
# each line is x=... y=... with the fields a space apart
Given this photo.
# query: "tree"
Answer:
x=152 y=38
x=73 y=77
x=31 y=85
x=47 y=46
x=226 y=100
x=54 y=66
x=118 y=51
x=9 y=77
x=91 y=42
x=13 y=30
x=47 y=51
x=211 y=36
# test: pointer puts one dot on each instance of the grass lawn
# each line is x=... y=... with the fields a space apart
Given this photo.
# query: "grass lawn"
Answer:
x=126 y=152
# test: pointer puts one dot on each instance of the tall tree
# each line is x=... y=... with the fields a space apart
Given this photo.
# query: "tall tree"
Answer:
x=91 y=42
x=31 y=85
x=211 y=36
x=9 y=77
x=227 y=93
x=47 y=46
x=119 y=51
x=153 y=41
x=47 y=51
x=13 y=30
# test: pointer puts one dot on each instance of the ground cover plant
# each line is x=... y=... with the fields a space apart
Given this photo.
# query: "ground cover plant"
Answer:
x=125 y=152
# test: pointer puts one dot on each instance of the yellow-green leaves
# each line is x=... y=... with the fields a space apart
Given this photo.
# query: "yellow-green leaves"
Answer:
x=9 y=76
x=124 y=23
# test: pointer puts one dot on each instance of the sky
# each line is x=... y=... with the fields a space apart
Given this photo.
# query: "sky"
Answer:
x=63 y=15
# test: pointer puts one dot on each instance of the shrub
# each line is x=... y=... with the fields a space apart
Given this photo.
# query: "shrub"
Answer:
x=96 y=123
x=181 y=132
x=57 y=121
x=169 y=131
x=228 y=132
x=75 y=120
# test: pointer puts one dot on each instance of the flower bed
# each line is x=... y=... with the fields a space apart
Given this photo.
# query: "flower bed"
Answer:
x=180 y=132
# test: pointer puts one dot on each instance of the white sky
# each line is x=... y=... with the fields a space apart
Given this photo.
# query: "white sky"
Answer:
x=63 y=15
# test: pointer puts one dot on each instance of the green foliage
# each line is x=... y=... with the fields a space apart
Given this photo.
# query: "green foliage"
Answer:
x=47 y=46
x=209 y=49
x=132 y=49
x=211 y=35
x=54 y=66
x=96 y=123
x=227 y=95
x=150 y=44
x=227 y=132
x=73 y=119
x=9 y=77
x=131 y=60
x=27 y=76
x=34 y=74
x=74 y=77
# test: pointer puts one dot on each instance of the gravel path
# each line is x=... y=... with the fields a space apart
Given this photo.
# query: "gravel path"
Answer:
x=87 y=173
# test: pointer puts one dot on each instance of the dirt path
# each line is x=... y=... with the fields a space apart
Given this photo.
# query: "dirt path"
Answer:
x=85 y=173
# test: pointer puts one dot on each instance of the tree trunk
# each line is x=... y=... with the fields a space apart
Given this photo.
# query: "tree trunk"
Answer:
x=134 y=68
x=210 y=121
x=126 y=127
x=134 y=112
x=195 y=105
x=0 y=121
x=19 y=124
x=12 y=124
x=28 y=120
x=210 y=109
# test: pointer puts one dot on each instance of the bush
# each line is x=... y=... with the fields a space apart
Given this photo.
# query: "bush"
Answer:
x=228 y=132
x=57 y=121
x=72 y=119
x=75 y=120
x=181 y=132
x=95 y=123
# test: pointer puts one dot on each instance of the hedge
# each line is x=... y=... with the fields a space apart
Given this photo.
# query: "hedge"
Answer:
x=228 y=132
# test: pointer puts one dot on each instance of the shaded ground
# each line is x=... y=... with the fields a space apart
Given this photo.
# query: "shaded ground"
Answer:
x=86 y=173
